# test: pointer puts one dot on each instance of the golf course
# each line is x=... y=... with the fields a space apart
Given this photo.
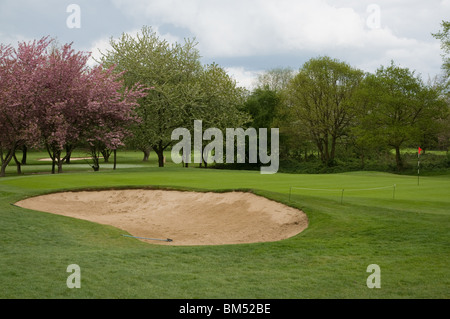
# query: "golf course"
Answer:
x=224 y=159
x=355 y=219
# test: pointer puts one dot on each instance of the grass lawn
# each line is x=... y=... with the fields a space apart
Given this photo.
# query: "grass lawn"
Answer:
x=408 y=237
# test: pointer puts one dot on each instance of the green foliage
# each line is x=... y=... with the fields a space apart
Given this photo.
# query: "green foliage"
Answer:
x=319 y=101
x=276 y=79
x=181 y=90
x=332 y=113
x=262 y=105
x=444 y=37
x=430 y=164
x=221 y=100
x=169 y=72
x=397 y=109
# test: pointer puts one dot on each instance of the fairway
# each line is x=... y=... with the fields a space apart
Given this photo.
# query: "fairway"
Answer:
x=406 y=236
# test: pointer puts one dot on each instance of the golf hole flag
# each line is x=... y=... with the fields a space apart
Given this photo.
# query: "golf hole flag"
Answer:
x=420 y=150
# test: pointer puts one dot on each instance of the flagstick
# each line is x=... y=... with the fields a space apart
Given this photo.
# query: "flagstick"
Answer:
x=418 y=166
x=418 y=172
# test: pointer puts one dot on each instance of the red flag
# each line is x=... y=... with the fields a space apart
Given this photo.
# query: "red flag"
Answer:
x=420 y=150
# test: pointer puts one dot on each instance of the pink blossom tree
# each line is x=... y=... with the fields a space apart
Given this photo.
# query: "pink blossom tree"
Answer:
x=7 y=139
x=61 y=106
x=20 y=87
x=111 y=111
x=49 y=96
x=83 y=105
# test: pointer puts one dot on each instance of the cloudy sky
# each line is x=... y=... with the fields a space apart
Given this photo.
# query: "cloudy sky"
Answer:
x=247 y=36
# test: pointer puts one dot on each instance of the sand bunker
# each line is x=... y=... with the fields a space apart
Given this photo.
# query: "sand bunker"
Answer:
x=188 y=218
x=72 y=159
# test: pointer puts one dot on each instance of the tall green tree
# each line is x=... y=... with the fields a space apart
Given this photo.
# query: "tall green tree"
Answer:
x=319 y=102
x=276 y=79
x=221 y=100
x=444 y=37
x=170 y=72
x=261 y=105
x=398 y=109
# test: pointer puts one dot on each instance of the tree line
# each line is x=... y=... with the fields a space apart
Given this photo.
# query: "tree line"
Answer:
x=329 y=107
x=144 y=87
x=140 y=91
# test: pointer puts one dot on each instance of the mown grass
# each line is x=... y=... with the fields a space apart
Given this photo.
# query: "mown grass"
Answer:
x=406 y=236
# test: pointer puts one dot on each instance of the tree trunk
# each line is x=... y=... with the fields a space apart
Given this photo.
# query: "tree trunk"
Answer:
x=333 y=151
x=320 y=153
x=69 y=150
x=6 y=160
x=326 y=152
x=159 y=150
x=115 y=160
x=323 y=152
x=55 y=155
x=3 y=170
x=60 y=167
x=161 y=159
x=106 y=154
x=18 y=164
x=96 y=160
x=5 y=163
x=146 y=154
x=24 y=155
x=398 y=158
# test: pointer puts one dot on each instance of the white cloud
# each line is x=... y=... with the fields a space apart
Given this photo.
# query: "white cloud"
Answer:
x=13 y=39
x=248 y=28
x=244 y=78
x=244 y=28
x=248 y=35
x=98 y=47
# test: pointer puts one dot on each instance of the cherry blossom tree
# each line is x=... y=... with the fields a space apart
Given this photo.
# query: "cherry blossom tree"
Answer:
x=20 y=87
x=84 y=105
x=111 y=111
x=48 y=96
x=60 y=108
x=6 y=139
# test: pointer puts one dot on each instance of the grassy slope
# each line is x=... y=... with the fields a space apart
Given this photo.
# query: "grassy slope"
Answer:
x=407 y=237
